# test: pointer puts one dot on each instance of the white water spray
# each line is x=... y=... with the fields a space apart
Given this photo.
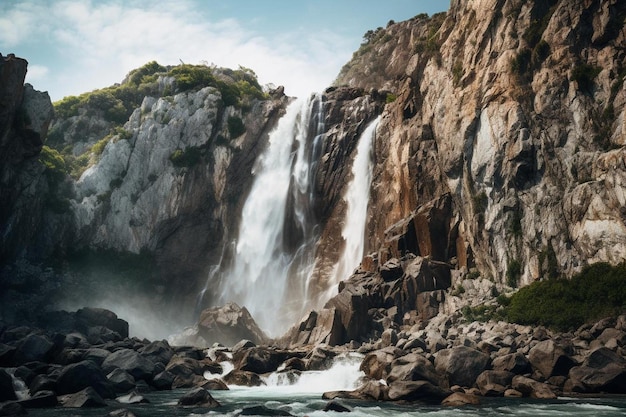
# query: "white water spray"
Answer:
x=357 y=199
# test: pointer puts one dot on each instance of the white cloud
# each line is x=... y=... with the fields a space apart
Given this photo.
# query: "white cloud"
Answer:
x=36 y=73
x=98 y=43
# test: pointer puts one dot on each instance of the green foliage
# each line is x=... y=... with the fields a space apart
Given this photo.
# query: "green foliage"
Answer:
x=480 y=313
x=99 y=146
x=513 y=273
x=457 y=73
x=598 y=291
x=390 y=98
x=143 y=74
x=190 y=77
x=584 y=75
x=236 y=127
x=186 y=158
x=540 y=17
x=67 y=107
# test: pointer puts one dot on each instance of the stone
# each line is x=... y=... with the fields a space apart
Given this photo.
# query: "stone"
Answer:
x=82 y=375
x=261 y=410
x=229 y=324
x=130 y=361
x=92 y=317
x=121 y=381
x=243 y=344
x=187 y=372
x=413 y=367
x=121 y=413
x=369 y=391
x=461 y=365
x=157 y=352
x=459 y=399
x=163 y=381
x=320 y=358
x=34 y=347
x=41 y=399
x=422 y=391
x=198 y=397
x=513 y=362
x=215 y=384
x=531 y=388
x=336 y=407
x=243 y=378
x=11 y=409
x=7 y=393
x=549 y=359
x=259 y=360
x=513 y=393
x=494 y=383
x=377 y=364
x=602 y=371
x=87 y=398
x=391 y=270
x=6 y=355
x=42 y=382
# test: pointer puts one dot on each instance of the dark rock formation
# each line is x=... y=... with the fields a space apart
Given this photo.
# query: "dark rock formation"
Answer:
x=87 y=398
x=198 y=397
x=228 y=325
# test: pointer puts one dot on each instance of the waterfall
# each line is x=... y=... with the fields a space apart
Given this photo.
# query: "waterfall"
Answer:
x=274 y=251
x=357 y=199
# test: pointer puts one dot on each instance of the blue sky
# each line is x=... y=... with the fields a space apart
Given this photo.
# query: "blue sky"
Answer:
x=74 y=46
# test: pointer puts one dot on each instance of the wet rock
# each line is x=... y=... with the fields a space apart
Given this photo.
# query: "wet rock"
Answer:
x=550 y=359
x=494 y=383
x=215 y=385
x=187 y=372
x=413 y=367
x=131 y=362
x=92 y=317
x=243 y=378
x=87 y=398
x=377 y=364
x=34 y=347
x=422 y=391
x=157 y=352
x=121 y=413
x=41 y=399
x=163 y=381
x=261 y=410
x=336 y=407
x=461 y=365
x=513 y=362
x=369 y=391
x=259 y=360
x=121 y=381
x=602 y=371
x=391 y=270
x=11 y=409
x=82 y=375
x=320 y=358
x=42 y=382
x=459 y=399
x=531 y=388
x=7 y=393
x=198 y=397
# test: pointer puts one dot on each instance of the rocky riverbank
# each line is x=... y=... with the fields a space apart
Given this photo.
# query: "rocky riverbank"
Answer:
x=87 y=359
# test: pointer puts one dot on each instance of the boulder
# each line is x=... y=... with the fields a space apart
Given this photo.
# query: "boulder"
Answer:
x=494 y=383
x=370 y=391
x=198 y=397
x=259 y=360
x=391 y=270
x=531 y=388
x=377 y=364
x=92 y=317
x=320 y=358
x=131 y=362
x=7 y=393
x=215 y=385
x=87 y=398
x=243 y=378
x=413 y=367
x=187 y=372
x=6 y=355
x=157 y=352
x=121 y=381
x=42 y=399
x=261 y=410
x=85 y=374
x=422 y=391
x=336 y=407
x=460 y=365
x=42 y=382
x=602 y=371
x=243 y=344
x=121 y=413
x=163 y=381
x=228 y=325
x=11 y=409
x=96 y=355
x=459 y=399
x=550 y=359
x=34 y=347
x=513 y=362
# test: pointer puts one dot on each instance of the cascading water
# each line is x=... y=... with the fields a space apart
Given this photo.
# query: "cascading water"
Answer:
x=357 y=199
x=274 y=250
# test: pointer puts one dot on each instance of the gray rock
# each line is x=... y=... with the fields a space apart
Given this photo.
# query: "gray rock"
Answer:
x=459 y=399
x=79 y=376
x=531 y=388
x=41 y=399
x=422 y=391
x=87 y=398
x=550 y=359
x=34 y=347
x=198 y=397
x=131 y=362
x=132 y=398
x=461 y=365
x=11 y=409
x=413 y=367
x=243 y=378
x=121 y=381
x=494 y=383
x=163 y=380
x=336 y=407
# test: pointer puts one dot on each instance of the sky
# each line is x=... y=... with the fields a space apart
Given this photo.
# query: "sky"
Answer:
x=75 y=46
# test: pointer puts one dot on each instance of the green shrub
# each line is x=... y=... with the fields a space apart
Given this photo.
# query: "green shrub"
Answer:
x=186 y=158
x=513 y=273
x=190 y=77
x=98 y=147
x=598 y=291
x=142 y=74
x=457 y=73
x=584 y=75
x=390 y=98
x=236 y=127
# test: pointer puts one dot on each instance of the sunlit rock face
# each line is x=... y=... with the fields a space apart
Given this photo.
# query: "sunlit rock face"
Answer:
x=516 y=111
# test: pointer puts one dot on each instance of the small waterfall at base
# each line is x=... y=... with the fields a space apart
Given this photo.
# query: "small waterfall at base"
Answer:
x=274 y=252
x=357 y=199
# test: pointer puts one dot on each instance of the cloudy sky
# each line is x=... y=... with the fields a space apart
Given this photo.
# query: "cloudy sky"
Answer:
x=74 y=46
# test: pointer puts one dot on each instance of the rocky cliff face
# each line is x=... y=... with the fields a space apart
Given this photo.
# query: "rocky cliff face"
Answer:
x=515 y=110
